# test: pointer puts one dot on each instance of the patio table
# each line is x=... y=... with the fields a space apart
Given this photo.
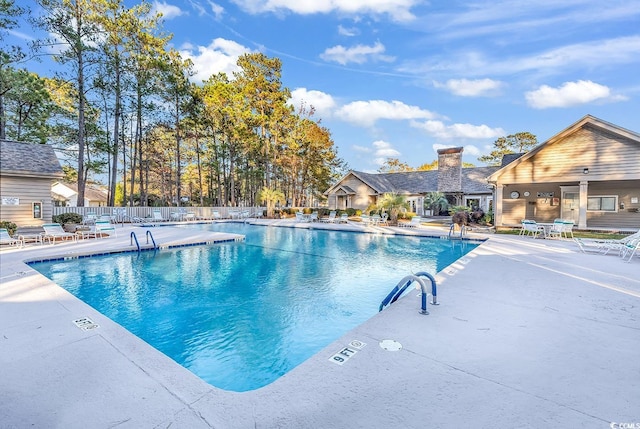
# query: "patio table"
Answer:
x=546 y=228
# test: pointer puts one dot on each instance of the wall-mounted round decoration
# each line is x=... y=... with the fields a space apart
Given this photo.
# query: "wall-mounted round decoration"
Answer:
x=526 y=193
x=515 y=194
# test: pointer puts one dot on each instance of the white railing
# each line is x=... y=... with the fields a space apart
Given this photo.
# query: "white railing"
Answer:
x=125 y=214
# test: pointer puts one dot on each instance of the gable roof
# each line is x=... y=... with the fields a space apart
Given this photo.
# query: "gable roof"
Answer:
x=28 y=160
x=91 y=192
x=474 y=180
x=586 y=121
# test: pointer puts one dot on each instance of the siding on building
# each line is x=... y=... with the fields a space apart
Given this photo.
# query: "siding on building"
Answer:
x=592 y=156
x=26 y=173
x=607 y=156
x=28 y=190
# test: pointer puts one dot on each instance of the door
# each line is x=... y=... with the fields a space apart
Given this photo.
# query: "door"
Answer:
x=570 y=204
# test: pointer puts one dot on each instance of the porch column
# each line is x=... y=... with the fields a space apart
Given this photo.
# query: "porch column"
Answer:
x=497 y=205
x=582 y=213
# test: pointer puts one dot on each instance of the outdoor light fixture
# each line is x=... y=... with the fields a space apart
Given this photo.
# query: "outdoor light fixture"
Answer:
x=585 y=171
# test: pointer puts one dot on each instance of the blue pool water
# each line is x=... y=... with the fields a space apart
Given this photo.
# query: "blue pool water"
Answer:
x=240 y=315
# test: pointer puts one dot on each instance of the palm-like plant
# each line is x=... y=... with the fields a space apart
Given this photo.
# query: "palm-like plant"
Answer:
x=436 y=202
x=271 y=197
x=392 y=202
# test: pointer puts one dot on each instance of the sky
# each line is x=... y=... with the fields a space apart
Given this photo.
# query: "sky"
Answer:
x=404 y=78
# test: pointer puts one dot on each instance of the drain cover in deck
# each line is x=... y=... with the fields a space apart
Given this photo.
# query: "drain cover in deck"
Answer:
x=85 y=324
x=390 y=345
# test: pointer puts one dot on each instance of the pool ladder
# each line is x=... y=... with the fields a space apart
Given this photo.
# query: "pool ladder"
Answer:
x=403 y=284
x=452 y=230
x=133 y=237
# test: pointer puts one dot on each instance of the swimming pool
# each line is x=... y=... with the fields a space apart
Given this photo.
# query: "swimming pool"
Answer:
x=240 y=315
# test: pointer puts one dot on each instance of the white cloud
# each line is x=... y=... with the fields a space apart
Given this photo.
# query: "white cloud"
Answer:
x=358 y=54
x=366 y=113
x=398 y=10
x=469 y=150
x=21 y=35
x=462 y=131
x=323 y=103
x=361 y=149
x=168 y=11
x=349 y=32
x=472 y=150
x=220 y=56
x=216 y=9
x=471 y=88
x=592 y=55
x=384 y=149
x=603 y=52
x=568 y=94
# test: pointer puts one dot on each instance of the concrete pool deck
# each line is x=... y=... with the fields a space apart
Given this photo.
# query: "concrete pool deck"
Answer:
x=529 y=333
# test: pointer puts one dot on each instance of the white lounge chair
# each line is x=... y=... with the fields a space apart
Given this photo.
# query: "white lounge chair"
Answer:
x=561 y=228
x=105 y=228
x=90 y=218
x=331 y=218
x=384 y=219
x=414 y=223
x=157 y=216
x=531 y=227
x=605 y=246
x=631 y=248
x=344 y=218
x=54 y=231
x=5 y=238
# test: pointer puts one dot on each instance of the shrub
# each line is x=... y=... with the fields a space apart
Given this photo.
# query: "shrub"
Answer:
x=406 y=215
x=456 y=209
x=10 y=226
x=67 y=218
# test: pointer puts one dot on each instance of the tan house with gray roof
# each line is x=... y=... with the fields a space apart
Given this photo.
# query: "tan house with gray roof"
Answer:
x=462 y=186
x=588 y=173
x=66 y=195
x=26 y=173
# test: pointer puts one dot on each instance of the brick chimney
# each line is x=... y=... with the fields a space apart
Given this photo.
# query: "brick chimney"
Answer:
x=450 y=170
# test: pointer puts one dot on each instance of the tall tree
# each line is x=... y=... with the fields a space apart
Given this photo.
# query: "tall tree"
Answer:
x=72 y=24
x=513 y=143
x=394 y=165
x=9 y=55
x=259 y=79
x=146 y=45
x=177 y=94
x=26 y=106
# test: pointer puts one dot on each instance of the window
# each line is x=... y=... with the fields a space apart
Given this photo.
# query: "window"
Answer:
x=472 y=203
x=604 y=203
x=37 y=210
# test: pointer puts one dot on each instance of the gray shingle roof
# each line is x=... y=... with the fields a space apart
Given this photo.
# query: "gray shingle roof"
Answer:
x=509 y=158
x=28 y=159
x=474 y=180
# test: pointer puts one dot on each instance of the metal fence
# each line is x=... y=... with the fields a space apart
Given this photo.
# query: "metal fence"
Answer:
x=126 y=214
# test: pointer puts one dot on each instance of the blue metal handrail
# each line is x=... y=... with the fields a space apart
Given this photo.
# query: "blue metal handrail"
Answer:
x=155 y=246
x=132 y=237
x=452 y=230
x=403 y=284
x=434 y=289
